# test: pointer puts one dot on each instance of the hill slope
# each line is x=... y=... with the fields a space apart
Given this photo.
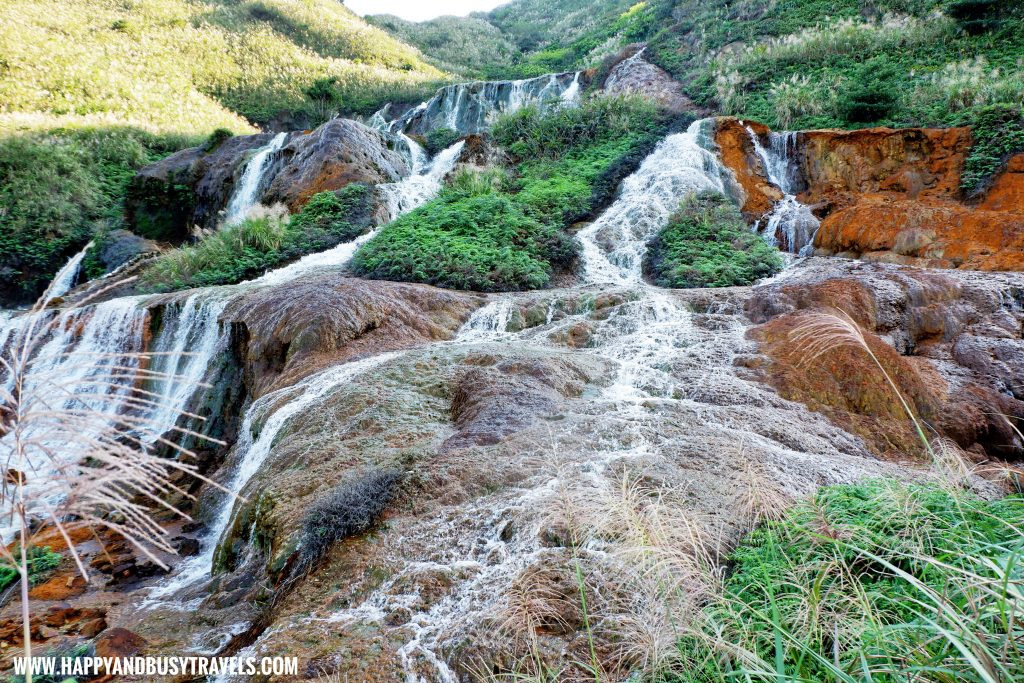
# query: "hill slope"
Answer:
x=91 y=90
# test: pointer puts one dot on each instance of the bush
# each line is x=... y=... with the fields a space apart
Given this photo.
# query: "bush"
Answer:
x=56 y=192
x=481 y=242
x=879 y=581
x=41 y=560
x=998 y=134
x=346 y=510
x=707 y=244
x=440 y=138
x=871 y=95
x=241 y=252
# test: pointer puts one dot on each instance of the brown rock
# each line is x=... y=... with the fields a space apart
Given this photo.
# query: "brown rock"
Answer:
x=59 y=588
x=119 y=642
x=737 y=152
x=337 y=153
x=635 y=75
x=292 y=330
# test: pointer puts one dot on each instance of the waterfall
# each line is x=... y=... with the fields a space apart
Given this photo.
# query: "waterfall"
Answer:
x=254 y=448
x=472 y=107
x=246 y=194
x=65 y=278
x=416 y=189
x=614 y=244
x=789 y=218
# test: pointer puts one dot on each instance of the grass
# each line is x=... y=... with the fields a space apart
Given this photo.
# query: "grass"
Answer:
x=91 y=91
x=881 y=581
x=40 y=561
x=246 y=250
x=708 y=244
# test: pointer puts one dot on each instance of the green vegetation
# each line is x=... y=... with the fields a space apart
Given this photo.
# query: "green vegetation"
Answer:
x=708 y=244
x=91 y=91
x=998 y=133
x=438 y=139
x=58 y=189
x=41 y=560
x=496 y=233
x=881 y=581
x=470 y=46
x=246 y=250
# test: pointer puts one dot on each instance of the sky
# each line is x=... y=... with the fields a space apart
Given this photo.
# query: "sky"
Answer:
x=421 y=10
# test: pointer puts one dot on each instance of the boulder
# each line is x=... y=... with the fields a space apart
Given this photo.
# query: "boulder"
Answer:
x=119 y=642
x=189 y=188
x=339 y=152
x=635 y=75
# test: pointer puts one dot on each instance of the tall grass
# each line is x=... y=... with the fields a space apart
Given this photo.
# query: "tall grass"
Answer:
x=68 y=464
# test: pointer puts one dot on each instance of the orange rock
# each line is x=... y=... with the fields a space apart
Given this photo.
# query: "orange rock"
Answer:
x=1007 y=192
x=59 y=588
x=891 y=195
x=933 y=233
x=737 y=153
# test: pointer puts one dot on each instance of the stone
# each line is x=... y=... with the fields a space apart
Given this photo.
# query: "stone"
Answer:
x=119 y=642
x=339 y=152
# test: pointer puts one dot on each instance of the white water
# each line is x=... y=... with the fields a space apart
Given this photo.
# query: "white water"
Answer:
x=614 y=244
x=789 y=219
x=245 y=195
x=423 y=184
x=472 y=107
x=65 y=278
x=255 y=444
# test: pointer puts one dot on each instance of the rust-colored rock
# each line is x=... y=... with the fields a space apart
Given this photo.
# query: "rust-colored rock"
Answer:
x=926 y=232
x=119 y=642
x=952 y=345
x=737 y=153
x=58 y=588
x=890 y=195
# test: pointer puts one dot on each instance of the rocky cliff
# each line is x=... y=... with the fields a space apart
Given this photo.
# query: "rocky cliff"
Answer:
x=889 y=195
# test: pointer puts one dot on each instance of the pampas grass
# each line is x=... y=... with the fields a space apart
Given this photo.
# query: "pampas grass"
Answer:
x=69 y=465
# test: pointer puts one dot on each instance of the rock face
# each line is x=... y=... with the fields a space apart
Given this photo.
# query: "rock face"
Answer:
x=890 y=195
x=285 y=333
x=635 y=75
x=188 y=188
x=951 y=342
x=168 y=199
x=337 y=153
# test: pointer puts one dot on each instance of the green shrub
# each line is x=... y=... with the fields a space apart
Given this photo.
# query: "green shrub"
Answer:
x=241 y=252
x=998 y=134
x=41 y=560
x=481 y=242
x=440 y=138
x=881 y=581
x=707 y=244
x=56 y=191
x=871 y=95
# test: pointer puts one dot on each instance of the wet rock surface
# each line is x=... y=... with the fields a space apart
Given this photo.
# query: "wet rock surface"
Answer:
x=951 y=341
x=337 y=153
x=890 y=195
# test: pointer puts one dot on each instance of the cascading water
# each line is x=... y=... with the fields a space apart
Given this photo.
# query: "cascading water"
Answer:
x=65 y=278
x=245 y=195
x=614 y=244
x=472 y=107
x=789 y=220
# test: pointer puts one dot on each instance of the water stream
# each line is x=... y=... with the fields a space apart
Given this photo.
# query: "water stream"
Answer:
x=246 y=194
x=790 y=226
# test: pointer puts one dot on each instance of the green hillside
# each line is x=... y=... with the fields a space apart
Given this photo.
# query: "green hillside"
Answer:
x=90 y=90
